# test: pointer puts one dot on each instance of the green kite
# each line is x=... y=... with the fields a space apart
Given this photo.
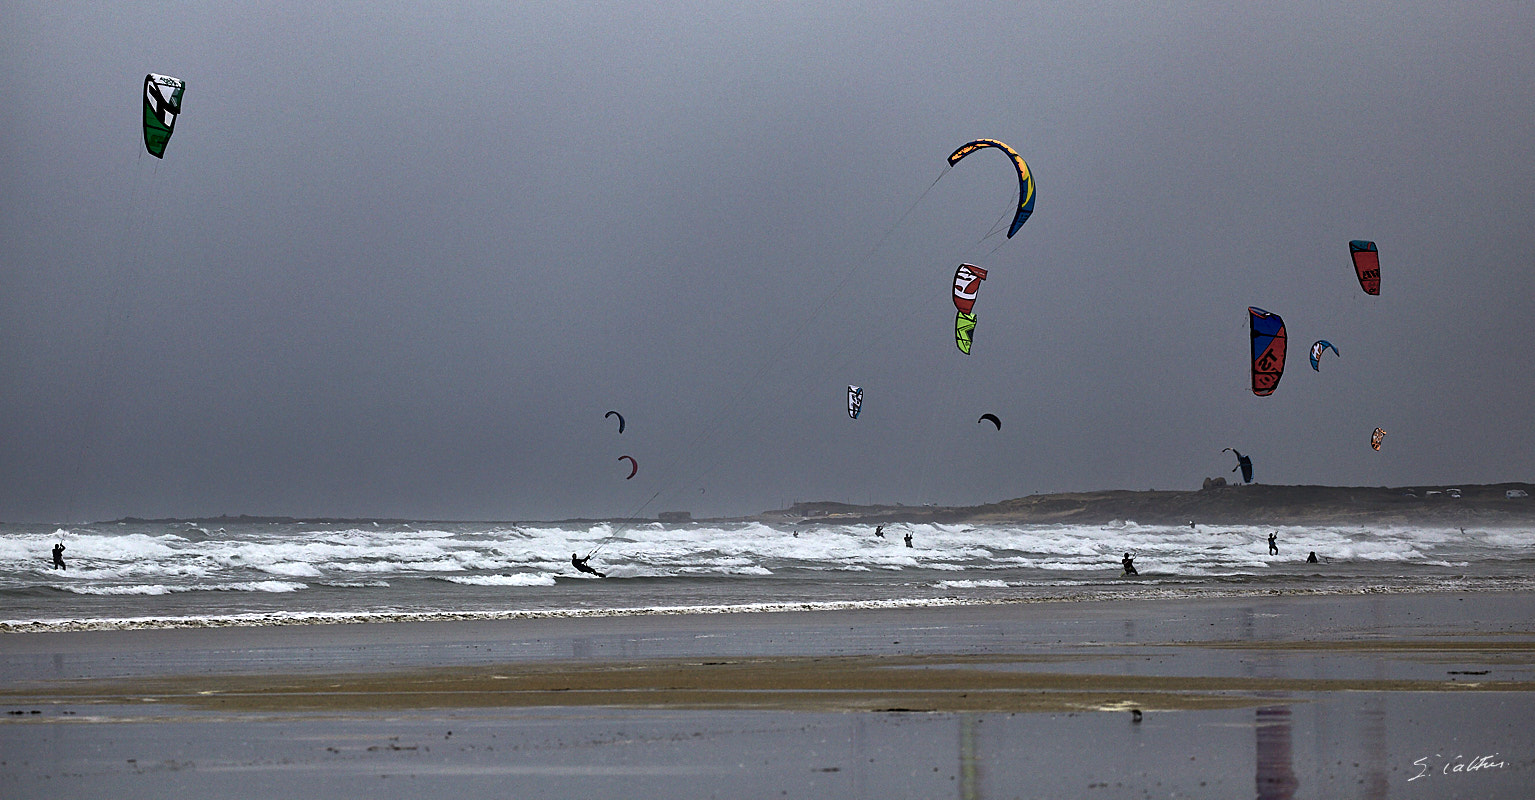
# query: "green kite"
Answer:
x=162 y=102
x=964 y=331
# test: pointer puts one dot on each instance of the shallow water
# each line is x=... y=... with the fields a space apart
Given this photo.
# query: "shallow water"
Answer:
x=142 y=574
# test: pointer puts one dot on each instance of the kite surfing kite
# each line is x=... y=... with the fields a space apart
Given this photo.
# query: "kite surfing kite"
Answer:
x=1244 y=464
x=1366 y=265
x=992 y=418
x=854 y=400
x=634 y=466
x=1025 y=178
x=964 y=331
x=967 y=282
x=1376 y=437
x=1316 y=353
x=1268 y=350
x=162 y=102
x=620 y=419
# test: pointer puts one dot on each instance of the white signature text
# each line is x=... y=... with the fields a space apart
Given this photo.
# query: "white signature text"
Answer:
x=1455 y=765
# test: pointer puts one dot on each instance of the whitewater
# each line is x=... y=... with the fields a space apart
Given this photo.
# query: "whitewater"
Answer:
x=165 y=574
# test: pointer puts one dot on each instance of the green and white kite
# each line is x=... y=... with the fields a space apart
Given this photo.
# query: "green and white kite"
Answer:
x=162 y=102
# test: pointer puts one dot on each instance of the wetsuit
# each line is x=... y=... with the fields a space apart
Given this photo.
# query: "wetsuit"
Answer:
x=580 y=564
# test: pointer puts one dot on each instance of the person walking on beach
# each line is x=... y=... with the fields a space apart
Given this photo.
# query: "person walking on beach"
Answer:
x=908 y=538
x=1273 y=548
x=580 y=564
x=58 y=556
x=1129 y=562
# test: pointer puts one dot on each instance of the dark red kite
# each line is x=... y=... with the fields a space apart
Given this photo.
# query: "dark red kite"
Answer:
x=1366 y=265
x=967 y=281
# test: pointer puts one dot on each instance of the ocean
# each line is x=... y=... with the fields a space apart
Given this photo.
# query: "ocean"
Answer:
x=183 y=574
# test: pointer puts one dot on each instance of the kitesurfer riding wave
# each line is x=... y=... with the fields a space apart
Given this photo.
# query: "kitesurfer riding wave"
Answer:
x=580 y=564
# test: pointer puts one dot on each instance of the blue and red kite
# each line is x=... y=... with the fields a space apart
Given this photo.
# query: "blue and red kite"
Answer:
x=1268 y=350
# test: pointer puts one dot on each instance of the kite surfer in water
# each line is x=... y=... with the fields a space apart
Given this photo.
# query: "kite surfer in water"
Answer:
x=58 y=556
x=879 y=531
x=1273 y=548
x=1129 y=562
x=580 y=564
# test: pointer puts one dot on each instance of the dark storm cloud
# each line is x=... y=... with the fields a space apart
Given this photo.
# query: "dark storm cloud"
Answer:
x=400 y=261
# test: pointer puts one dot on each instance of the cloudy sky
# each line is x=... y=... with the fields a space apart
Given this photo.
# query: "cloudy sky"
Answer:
x=400 y=259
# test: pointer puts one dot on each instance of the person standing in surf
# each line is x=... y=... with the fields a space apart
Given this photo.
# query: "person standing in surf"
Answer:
x=1273 y=548
x=58 y=556
x=1129 y=562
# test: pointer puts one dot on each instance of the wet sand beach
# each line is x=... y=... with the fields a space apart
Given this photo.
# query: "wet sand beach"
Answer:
x=1395 y=695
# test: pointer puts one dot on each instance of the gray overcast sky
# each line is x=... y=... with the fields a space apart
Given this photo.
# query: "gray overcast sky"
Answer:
x=400 y=258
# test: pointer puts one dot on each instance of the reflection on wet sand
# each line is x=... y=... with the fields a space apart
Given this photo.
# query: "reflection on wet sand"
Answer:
x=969 y=769
x=1275 y=768
x=1274 y=753
x=1376 y=786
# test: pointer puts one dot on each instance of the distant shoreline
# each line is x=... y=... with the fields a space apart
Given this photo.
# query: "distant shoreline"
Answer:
x=1252 y=504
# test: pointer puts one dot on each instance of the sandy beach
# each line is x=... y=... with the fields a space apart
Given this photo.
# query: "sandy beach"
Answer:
x=1371 y=695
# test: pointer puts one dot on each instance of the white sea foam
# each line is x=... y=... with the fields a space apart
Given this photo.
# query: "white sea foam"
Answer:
x=260 y=586
x=158 y=567
x=153 y=589
x=518 y=579
x=713 y=569
x=145 y=589
x=292 y=569
x=1139 y=592
x=971 y=584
